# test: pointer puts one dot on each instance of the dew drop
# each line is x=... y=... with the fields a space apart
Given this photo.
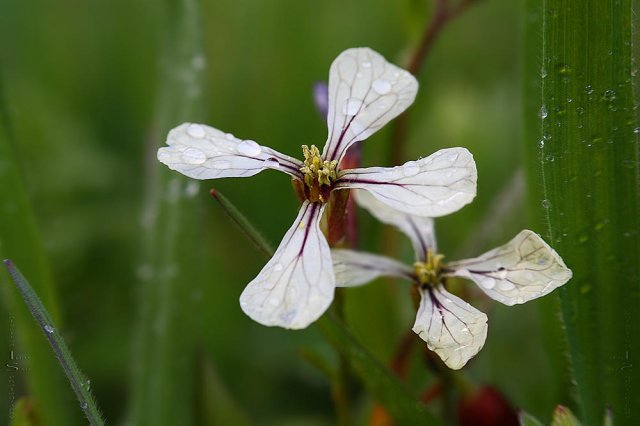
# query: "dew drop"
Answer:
x=249 y=148
x=351 y=106
x=487 y=283
x=84 y=405
x=221 y=165
x=277 y=267
x=366 y=64
x=271 y=163
x=196 y=131
x=193 y=156
x=541 y=144
x=506 y=286
x=274 y=301
x=636 y=130
x=49 y=329
x=588 y=89
x=546 y=203
x=381 y=86
x=410 y=169
x=229 y=136
x=543 y=72
x=543 y=112
x=452 y=157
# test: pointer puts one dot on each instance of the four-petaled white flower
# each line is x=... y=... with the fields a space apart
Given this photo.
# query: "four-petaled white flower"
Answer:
x=365 y=91
x=523 y=269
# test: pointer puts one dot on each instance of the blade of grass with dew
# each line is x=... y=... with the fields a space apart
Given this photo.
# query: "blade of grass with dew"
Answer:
x=558 y=389
x=171 y=269
x=588 y=151
x=78 y=381
x=20 y=240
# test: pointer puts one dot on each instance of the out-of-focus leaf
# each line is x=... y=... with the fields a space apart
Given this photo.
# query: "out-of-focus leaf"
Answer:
x=172 y=264
x=378 y=379
x=20 y=240
x=24 y=413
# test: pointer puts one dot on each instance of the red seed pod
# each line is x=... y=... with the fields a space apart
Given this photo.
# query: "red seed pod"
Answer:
x=486 y=406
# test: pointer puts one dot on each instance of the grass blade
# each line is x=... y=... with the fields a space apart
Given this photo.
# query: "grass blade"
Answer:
x=588 y=152
x=78 y=381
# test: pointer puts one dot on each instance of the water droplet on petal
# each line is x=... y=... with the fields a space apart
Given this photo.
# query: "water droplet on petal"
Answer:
x=487 y=283
x=271 y=163
x=351 y=106
x=381 y=86
x=196 y=131
x=249 y=148
x=274 y=301
x=193 y=156
x=506 y=285
x=221 y=165
x=49 y=329
x=277 y=267
x=230 y=136
x=366 y=64
x=452 y=157
x=410 y=169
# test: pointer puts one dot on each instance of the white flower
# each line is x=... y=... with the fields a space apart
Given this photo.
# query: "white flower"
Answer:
x=365 y=91
x=523 y=269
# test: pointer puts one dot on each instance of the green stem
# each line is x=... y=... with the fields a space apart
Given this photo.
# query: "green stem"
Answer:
x=78 y=381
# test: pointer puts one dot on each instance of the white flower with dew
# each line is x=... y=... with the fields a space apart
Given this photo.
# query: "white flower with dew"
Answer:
x=523 y=269
x=365 y=92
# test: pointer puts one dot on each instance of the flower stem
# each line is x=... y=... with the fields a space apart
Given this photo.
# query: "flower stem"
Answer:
x=79 y=382
x=444 y=13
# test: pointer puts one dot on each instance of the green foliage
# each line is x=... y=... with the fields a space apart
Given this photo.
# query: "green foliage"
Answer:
x=587 y=145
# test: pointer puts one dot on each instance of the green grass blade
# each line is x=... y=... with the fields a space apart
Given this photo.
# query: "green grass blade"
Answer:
x=588 y=149
x=164 y=356
x=78 y=381
x=20 y=240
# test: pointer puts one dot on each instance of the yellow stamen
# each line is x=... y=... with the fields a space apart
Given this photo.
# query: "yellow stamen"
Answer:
x=428 y=273
x=317 y=173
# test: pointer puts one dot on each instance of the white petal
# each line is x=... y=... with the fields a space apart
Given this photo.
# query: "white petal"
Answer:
x=523 y=269
x=296 y=286
x=452 y=328
x=419 y=229
x=365 y=93
x=434 y=186
x=354 y=268
x=202 y=152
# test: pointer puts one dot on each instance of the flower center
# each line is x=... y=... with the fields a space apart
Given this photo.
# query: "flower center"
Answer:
x=319 y=174
x=428 y=273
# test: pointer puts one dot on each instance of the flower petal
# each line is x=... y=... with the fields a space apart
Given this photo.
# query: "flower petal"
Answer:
x=419 y=229
x=365 y=93
x=452 y=328
x=437 y=185
x=202 y=152
x=354 y=268
x=296 y=286
x=523 y=269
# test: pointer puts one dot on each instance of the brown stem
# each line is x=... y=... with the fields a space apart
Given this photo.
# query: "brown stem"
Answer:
x=443 y=14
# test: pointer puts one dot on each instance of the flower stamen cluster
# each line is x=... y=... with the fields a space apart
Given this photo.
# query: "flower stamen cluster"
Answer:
x=428 y=273
x=319 y=174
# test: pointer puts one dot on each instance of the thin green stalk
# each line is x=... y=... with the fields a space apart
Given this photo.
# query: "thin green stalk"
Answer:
x=79 y=383
x=243 y=223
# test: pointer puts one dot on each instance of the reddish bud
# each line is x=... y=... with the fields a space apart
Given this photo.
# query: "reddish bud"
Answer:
x=486 y=407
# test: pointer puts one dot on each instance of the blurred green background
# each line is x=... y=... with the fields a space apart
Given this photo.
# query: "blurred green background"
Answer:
x=81 y=83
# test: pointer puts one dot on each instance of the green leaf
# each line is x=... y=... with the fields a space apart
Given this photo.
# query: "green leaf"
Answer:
x=78 y=381
x=20 y=240
x=172 y=246
x=378 y=379
x=587 y=147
